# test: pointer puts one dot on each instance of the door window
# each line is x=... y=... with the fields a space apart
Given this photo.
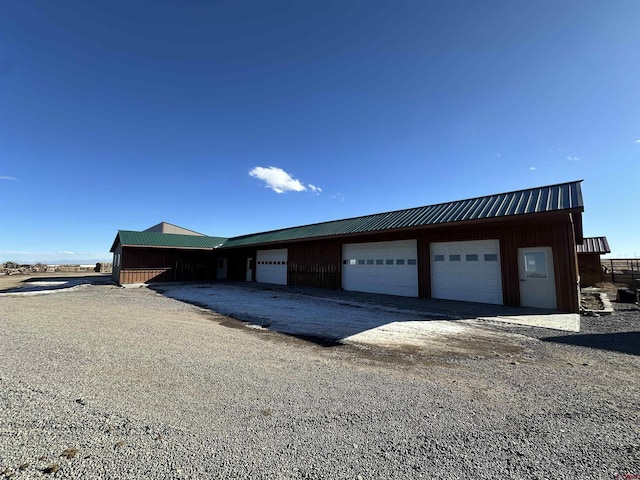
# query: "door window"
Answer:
x=535 y=265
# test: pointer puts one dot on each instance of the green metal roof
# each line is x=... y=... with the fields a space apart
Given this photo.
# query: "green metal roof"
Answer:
x=131 y=238
x=565 y=196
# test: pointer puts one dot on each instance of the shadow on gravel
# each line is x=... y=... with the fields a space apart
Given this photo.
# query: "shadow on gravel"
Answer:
x=624 y=342
x=320 y=341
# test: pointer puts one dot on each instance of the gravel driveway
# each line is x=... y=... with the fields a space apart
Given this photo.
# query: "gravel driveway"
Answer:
x=104 y=382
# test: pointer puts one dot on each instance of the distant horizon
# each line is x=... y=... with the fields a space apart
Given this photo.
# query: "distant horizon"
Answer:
x=58 y=262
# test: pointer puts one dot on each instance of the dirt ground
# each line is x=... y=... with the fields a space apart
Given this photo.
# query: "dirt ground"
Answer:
x=145 y=386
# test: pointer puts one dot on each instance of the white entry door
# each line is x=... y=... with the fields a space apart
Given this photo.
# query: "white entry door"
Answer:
x=537 y=282
x=249 y=275
x=222 y=269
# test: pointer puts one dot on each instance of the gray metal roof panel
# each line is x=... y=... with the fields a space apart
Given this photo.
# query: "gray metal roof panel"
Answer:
x=594 y=245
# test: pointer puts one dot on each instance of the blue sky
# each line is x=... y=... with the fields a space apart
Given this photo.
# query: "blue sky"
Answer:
x=233 y=117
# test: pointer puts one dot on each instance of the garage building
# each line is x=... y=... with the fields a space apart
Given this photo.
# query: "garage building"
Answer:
x=516 y=248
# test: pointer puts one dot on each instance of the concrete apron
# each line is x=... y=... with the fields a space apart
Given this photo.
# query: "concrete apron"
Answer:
x=448 y=309
x=569 y=322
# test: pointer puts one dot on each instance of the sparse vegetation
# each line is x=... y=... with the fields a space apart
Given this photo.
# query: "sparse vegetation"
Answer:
x=13 y=268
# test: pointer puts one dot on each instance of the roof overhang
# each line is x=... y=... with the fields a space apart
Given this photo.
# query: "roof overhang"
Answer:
x=573 y=216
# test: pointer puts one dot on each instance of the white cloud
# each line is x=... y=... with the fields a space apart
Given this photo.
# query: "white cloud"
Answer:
x=572 y=159
x=532 y=168
x=638 y=141
x=338 y=196
x=280 y=181
x=8 y=178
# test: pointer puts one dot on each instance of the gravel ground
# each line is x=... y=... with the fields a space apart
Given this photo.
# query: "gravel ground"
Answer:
x=103 y=382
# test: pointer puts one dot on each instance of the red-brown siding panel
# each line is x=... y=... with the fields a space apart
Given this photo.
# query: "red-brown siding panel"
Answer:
x=315 y=265
x=590 y=269
x=177 y=265
x=144 y=275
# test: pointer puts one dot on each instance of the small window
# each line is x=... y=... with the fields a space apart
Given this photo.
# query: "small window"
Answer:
x=360 y=261
x=411 y=261
x=389 y=261
x=471 y=257
x=535 y=264
x=400 y=261
x=438 y=258
x=345 y=262
x=454 y=258
x=490 y=257
x=352 y=261
x=379 y=261
x=370 y=261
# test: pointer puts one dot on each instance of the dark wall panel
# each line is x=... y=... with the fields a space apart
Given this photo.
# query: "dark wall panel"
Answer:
x=590 y=269
x=237 y=263
x=176 y=265
x=315 y=264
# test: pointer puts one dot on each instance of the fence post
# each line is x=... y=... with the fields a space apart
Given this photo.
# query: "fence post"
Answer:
x=613 y=275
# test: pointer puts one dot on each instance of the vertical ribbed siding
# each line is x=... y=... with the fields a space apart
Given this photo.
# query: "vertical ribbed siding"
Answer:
x=315 y=265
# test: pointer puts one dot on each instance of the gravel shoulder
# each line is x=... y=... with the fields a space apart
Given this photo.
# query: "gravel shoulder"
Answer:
x=104 y=382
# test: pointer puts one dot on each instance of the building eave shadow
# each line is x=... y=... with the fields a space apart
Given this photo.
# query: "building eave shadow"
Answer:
x=624 y=342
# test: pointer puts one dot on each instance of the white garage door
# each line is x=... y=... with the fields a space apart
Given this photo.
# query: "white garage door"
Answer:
x=468 y=271
x=271 y=266
x=381 y=267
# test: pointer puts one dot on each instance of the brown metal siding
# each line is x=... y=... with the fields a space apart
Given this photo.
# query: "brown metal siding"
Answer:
x=319 y=264
x=424 y=268
x=316 y=264
x=556 y=233
x=144 y=275
x=159 y=264
x=590 y=269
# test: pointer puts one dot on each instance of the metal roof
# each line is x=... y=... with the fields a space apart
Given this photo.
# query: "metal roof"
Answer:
x=131 y=238
x=166 y=227
x=594 y=245
x=552 y=198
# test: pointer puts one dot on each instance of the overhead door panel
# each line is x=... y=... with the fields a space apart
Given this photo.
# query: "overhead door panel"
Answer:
x=271 y=266
x=468 y=271
x=381 y=267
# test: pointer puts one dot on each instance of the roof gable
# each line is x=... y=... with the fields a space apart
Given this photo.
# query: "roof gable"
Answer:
x=552 y=198
x=166 y=227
